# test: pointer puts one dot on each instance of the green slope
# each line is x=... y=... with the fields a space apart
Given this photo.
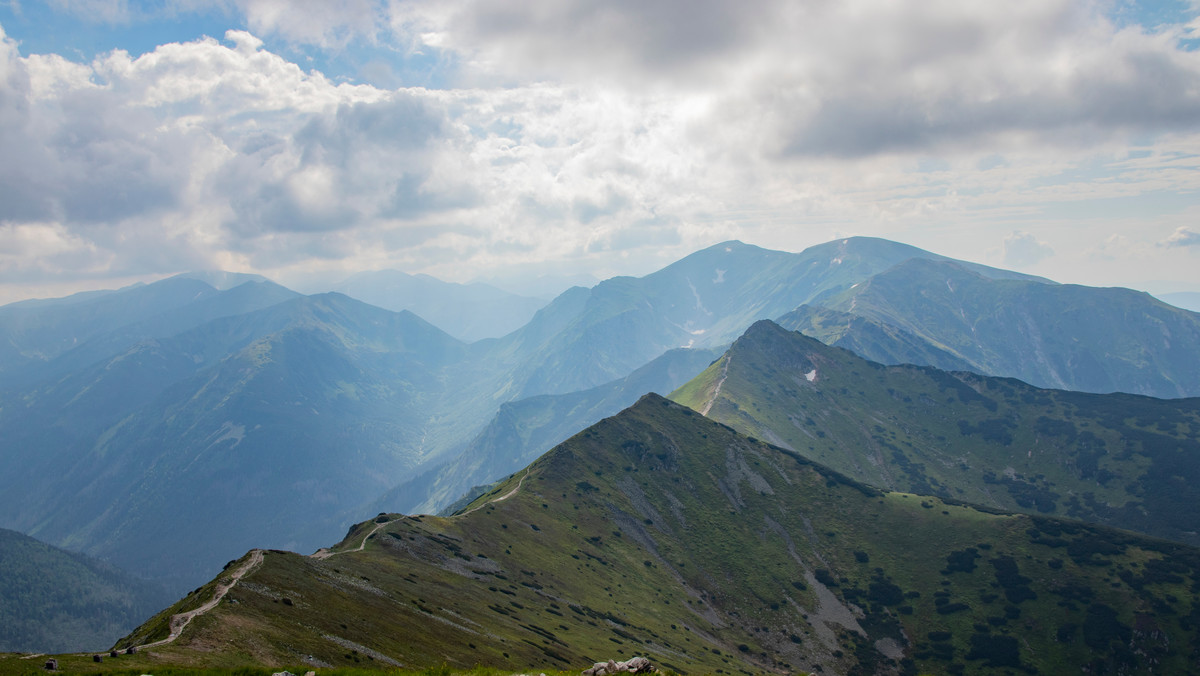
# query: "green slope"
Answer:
x=55 y=601
x=657 y=532
x=1121 y=460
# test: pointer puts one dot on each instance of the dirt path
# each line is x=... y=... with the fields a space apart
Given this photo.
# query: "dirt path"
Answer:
x=325 y=553
x=181 y=620
x=717 y=390
x=502 y=497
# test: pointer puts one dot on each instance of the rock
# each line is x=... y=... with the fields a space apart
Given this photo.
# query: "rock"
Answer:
x=638 y=665
x=52 y=664
x=283 y=673
x=635 y=665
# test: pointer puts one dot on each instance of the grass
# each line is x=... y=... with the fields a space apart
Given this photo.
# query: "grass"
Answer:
x=660 y=533
x=15 y=665
x=988 y=441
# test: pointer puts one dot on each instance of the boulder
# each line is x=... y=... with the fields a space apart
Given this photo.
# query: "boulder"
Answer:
x=636 y=665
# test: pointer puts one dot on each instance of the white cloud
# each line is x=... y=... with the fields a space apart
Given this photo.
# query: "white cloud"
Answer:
x=615 y=134
x=316 y=22
x=1022 y=250
x=1183 y=237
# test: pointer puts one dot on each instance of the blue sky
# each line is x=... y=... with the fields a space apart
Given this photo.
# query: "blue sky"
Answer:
x=309 y=140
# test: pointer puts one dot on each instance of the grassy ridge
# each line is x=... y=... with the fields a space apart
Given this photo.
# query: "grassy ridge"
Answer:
x=658 y=532
x=1120 y=460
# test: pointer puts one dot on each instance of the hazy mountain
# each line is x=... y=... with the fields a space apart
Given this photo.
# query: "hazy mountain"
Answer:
x=36 y=331
x=1188 y=300
x=1121 y=460
x=539 y=284
x=657 y=532
x=468 y=312
x=55 y=601
x=50 y=338
x=263 y=427
x=222 y=280
x=1064 y=336
x=525 y=429
x=591 y=336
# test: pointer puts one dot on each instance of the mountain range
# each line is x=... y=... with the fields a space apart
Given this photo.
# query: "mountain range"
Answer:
x=189 y=423
x=1188 y=300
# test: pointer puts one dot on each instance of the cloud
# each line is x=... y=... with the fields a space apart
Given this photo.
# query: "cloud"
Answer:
x=314 y=22
x=593 y=132
x=1022 y=249
x=1183 y=237
x=848 y=79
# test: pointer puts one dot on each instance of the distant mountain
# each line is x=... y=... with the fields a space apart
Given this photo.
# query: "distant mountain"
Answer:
x=1121 y=460
x=704 y=300
x=55 y=601
x=222 y=280
x=1063 y=336
x=78 y=330
x=468 y=312
x=181 y=452
x=659 y=533
x=1188 y=300
x=525 y=429
x=39 y=330
x=535 y=284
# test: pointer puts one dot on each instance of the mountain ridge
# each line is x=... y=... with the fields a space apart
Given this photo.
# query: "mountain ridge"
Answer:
x=606 y=545
x=991 y=441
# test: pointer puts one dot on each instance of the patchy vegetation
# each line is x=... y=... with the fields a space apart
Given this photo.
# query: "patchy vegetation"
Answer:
x=666 y=535
x=1121 y=460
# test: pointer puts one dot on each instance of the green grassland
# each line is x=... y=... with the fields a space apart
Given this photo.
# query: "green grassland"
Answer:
x=660 y=533
x=1121 y=460
x=24 y=665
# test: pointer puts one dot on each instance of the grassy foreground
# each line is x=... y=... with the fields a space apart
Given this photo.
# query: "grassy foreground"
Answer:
x=12 y=664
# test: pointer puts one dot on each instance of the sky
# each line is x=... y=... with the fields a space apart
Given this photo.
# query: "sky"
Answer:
x=489 y=139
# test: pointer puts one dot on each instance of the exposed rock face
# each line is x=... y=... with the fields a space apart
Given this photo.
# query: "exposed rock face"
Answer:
x=636 y=665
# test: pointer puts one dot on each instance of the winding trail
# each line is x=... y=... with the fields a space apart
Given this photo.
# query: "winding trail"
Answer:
x=717 y=390
x=325 y=552
x=502 y=497
x=181 y=620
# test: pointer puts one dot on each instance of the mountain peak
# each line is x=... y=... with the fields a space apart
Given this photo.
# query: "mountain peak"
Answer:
x=221 y=280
